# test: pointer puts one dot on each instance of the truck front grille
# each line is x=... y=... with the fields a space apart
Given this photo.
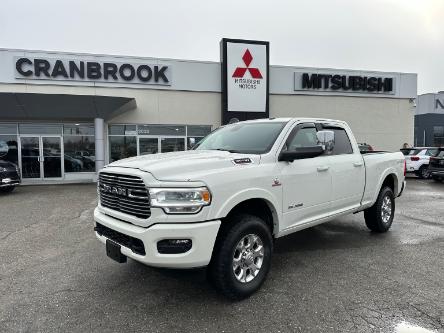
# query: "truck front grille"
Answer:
x=124 y=193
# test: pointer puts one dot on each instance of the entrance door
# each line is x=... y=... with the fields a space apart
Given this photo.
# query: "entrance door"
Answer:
x=148 y=145
x=170 y=144
x=41 y=157
x=30 y=157
x=51 y=156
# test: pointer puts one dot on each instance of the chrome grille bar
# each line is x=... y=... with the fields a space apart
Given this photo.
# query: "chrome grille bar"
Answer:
x=124 y=193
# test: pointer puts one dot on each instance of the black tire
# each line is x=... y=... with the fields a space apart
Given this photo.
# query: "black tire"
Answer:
x=423 y=172
x=7 y=189
x=221 y=271
x=374 y=215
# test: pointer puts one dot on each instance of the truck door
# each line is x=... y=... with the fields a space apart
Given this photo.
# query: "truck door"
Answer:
x=306 y=182
x=347 y=172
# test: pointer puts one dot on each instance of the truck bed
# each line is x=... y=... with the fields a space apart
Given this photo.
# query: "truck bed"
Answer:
x=378 y=164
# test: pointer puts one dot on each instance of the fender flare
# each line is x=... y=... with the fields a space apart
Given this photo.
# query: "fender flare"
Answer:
x=253 y=193
x=388 y=172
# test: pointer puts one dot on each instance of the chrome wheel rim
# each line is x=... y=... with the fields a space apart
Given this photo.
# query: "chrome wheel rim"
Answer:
x=425 y=173
x=386 y=209
x=248 y=258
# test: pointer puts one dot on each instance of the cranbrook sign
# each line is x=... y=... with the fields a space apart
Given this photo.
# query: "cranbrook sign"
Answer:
x=79 y=70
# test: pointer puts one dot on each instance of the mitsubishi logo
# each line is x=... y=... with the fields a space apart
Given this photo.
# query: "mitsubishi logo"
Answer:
x=239 y=72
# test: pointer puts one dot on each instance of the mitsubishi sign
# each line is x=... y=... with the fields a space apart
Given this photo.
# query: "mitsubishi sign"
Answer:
x=245 y=79
x=344 y=82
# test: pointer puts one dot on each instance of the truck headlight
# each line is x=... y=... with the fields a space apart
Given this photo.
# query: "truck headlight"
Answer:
x=180 y=200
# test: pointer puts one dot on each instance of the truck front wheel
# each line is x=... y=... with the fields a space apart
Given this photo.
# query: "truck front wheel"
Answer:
x=379 y=217
x=241 y=257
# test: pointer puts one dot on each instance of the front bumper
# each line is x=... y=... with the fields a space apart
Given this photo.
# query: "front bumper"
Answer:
x=202 y=234
x=8 y=181
x=437 y=172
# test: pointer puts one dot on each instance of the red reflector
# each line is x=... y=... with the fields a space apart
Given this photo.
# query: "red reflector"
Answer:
x=414 y=158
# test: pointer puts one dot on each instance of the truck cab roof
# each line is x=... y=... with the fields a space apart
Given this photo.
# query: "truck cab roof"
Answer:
x=304 y=119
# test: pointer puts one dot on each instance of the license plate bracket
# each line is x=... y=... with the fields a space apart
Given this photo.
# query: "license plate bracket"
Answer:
x=113 y=251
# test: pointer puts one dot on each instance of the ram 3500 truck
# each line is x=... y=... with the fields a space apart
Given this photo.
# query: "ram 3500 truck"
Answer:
x=224 y=202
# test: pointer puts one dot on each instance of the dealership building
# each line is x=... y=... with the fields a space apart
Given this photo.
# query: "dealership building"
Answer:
x=65 y=115
x=429 y=120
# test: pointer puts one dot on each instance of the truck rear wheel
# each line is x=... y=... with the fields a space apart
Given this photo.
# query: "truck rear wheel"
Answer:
x=379 y=217
x=241 y=257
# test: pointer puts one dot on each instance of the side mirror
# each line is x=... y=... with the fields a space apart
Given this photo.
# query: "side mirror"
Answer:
x=327 y=140
x=300 y=153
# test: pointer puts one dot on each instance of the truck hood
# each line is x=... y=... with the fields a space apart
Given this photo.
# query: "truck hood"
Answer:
x=184 y=165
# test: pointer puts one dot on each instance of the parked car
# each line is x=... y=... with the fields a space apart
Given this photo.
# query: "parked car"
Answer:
x=72 y=164
x=417 y=160
x=9 y=176
x=221 y=204
x=436 y=165
x=365 y=147
x=87 y=159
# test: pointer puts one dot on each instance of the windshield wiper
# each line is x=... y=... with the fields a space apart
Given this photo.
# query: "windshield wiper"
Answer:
x=228 y=150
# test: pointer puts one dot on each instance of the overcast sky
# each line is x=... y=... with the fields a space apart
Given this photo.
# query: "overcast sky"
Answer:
x=387 y=35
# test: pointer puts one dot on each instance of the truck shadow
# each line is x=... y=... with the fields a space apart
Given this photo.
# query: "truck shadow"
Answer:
x=337 y=234
x=192 y=283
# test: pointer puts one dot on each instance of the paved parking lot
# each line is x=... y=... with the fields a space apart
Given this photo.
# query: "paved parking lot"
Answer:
x=337 y=277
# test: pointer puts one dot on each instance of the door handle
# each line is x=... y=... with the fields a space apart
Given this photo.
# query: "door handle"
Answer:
x=323 y=168
x=358 y=164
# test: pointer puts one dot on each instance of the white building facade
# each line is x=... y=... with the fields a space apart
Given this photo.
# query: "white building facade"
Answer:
x=64 y=115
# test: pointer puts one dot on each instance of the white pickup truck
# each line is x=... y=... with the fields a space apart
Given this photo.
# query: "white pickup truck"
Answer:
x=223 y=203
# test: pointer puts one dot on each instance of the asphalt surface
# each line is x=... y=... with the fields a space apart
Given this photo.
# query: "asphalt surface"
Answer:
x=336 y=277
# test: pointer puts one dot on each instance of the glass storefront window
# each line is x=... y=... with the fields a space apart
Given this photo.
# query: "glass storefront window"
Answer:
x=148 y=146
x=198 y=130
x=78 y=129
x=122 y=130
x=8 y=129
x=438 y=136
x=172 y=144
x=128 y=140
x=40 y=129
x=171 y=130
x=79 y=153
x=9 y=148
x=122 y=147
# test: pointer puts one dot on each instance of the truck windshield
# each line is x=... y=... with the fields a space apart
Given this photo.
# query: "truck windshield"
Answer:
x=247 y=138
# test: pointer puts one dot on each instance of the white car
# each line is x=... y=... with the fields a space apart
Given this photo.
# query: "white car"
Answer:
x=223 y=203
x=417 y=160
